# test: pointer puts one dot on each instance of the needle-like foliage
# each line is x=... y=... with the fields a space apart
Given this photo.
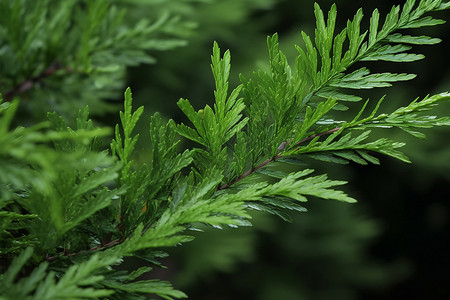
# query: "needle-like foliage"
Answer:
x=71 y=210
x=75 y=50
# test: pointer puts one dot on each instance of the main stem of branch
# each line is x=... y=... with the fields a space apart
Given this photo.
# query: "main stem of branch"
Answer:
x=253 y=170
x=29 y=83
x=249 y=172
x=318 y=134
x=105 y=246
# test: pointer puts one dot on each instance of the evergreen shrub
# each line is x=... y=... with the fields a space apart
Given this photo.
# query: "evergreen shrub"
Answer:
x=72 y=207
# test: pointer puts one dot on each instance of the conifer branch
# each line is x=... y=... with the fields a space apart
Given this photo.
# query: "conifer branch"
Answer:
x=70 y=188
x=269 y=160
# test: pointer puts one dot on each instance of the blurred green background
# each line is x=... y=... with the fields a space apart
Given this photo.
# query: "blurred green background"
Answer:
x=391 y=245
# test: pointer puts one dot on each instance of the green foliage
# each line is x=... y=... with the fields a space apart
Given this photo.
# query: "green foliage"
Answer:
x=83 y=60
x=214 y=128
x=78 y=210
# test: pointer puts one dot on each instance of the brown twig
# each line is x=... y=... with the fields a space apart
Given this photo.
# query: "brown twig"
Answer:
x=249 y=172
x=318 y=134
x=29 y=83
x=253 y=170
x=105 y=246
x=100 y=247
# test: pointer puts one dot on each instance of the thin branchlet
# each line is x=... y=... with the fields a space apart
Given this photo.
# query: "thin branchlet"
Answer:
x=267 y=161
x=29 y=83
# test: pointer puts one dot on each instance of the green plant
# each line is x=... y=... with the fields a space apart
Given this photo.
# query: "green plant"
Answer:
x=71 y=211
x=84 y=59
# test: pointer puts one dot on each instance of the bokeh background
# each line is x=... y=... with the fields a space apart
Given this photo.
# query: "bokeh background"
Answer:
x=391 y=245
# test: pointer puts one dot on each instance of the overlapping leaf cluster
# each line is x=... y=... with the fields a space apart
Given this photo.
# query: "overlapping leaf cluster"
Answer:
x=79 y=211
x=76 y=51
